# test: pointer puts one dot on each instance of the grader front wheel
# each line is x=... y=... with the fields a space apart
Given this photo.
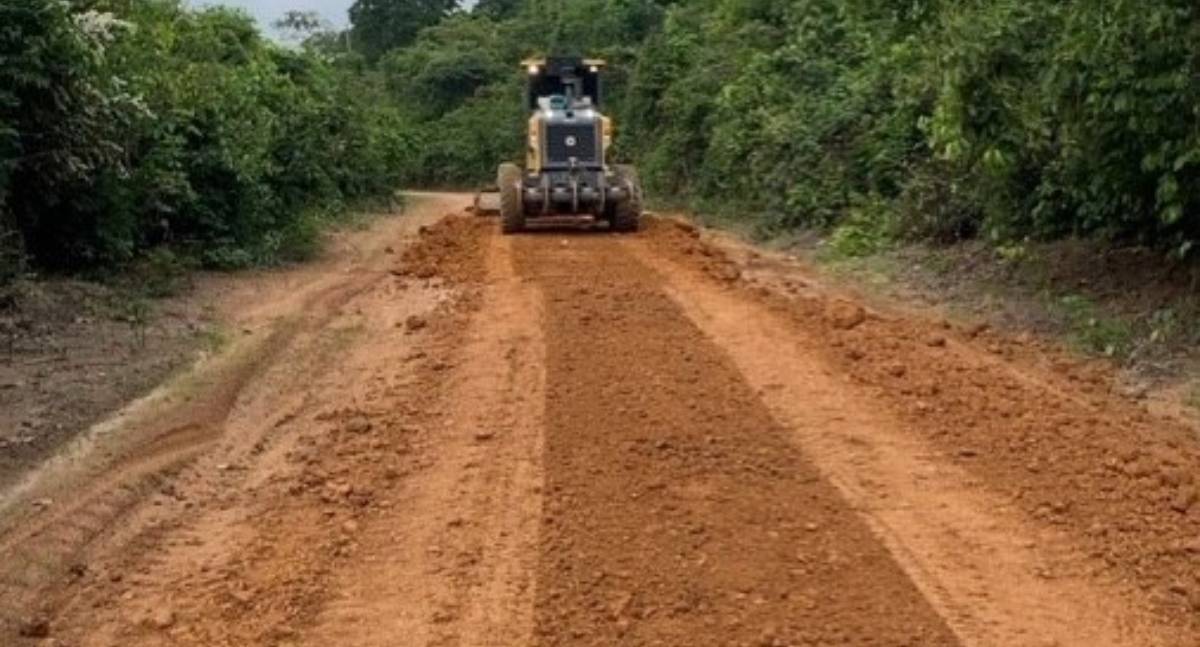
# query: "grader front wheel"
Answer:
x=627 y=214
x=512 y=211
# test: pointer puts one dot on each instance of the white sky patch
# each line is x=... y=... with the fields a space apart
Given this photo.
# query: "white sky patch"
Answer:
x=268 y=11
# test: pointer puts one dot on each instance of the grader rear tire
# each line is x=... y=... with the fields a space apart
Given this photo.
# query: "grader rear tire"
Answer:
x=627 y=214
x=512 y=211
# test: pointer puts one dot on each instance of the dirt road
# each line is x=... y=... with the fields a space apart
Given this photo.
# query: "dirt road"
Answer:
x=443 y=436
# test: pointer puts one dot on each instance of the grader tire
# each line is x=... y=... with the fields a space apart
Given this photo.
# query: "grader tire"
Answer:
x=627 y=214
x=512 y=211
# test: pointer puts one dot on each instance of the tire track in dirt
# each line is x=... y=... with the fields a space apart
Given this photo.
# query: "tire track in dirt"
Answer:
x=677 y=510
x=181 y=493
x=396 y=501
x=48 y=549
x=456 y=567
x=284 y=549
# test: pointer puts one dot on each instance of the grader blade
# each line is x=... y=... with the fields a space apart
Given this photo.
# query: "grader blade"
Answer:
x=487 y=201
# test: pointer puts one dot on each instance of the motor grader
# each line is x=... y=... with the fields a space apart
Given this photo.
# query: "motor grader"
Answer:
x=567 y=176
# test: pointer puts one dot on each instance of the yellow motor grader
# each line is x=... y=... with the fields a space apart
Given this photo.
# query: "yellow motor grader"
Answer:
x=566 y=174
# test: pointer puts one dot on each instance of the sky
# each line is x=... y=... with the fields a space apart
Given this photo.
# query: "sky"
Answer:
x=267 y=11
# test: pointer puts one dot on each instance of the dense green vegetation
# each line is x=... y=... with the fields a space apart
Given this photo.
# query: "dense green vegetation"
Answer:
x=129 y=124
x=383 y=25
x=1000 y=118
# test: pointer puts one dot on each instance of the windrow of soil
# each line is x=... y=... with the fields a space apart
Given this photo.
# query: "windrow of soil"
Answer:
x=237 y=541
x=1052 y=433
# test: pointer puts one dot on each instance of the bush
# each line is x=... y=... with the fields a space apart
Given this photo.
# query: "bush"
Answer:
x=162 y=273
x=134 y=124
x=1002 y=118
x=141 y=124
x=867 y=229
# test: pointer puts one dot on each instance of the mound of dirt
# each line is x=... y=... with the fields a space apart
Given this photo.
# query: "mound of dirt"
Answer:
x=449 y=249
x=242 y=501
x=844 y=315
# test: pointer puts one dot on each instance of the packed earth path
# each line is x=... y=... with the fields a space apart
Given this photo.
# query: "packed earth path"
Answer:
x=441 y=435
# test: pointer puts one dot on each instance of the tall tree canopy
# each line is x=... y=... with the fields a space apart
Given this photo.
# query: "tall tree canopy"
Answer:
x=996 y=118
x=498 y=9
x=380 y=25
x=126 y=122
x=129 y=124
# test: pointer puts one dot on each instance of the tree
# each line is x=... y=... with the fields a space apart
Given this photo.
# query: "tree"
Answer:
x=381 y=25
x=61 y=119
x=314 y=33
x=498 y=9
x=300 y=25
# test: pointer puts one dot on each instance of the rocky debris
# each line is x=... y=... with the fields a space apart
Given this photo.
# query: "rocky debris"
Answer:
x=415 y=322
x=162 y=618
x=1135 y=391
x=727 y=272
x=794 y=285
x=619 y=608
x=449 y=249
x=284 y=633
x=35 y=627
x=844 y=315
x=242 y=595
x=1184 y=499
x=977 y=329
x=688 y=228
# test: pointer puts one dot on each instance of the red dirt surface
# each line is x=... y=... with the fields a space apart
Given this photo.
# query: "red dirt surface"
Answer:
x=677 y=510
x=1052 y=434
x=451 y=437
